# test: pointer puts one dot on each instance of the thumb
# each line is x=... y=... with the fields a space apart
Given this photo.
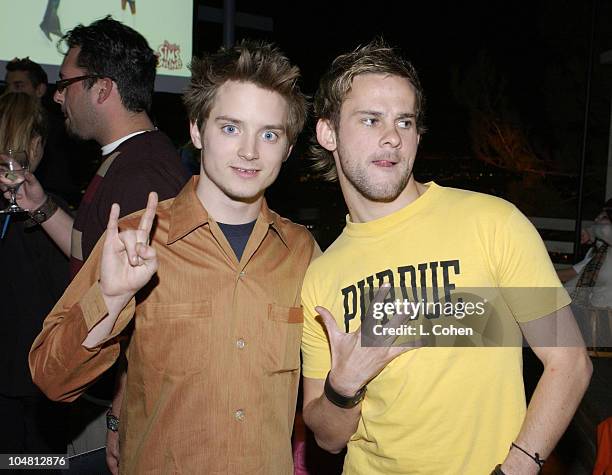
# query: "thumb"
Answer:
x=328 y=321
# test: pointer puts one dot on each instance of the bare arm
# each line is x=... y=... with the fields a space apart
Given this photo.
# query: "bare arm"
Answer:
x=112 y=437
x=567 y=371
x=59 y=228
x=332 y=425
x=353 y=366
x=566 y=274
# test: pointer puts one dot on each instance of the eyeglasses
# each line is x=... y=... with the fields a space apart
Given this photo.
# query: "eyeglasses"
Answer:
x=64 y=83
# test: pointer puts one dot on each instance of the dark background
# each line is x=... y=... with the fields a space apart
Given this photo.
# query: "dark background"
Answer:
x=506 y=86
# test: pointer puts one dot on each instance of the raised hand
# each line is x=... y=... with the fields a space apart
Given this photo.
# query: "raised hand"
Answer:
x=128 y=261
x=354 y=365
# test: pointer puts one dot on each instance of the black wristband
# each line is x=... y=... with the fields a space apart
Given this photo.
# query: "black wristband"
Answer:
x=345 y=402
x=497 y=470
x=536 y=458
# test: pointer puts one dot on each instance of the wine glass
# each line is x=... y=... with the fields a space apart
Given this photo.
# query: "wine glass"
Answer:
x=13 y=167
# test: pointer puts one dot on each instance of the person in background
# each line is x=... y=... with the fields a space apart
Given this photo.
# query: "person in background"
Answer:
x=55 y=171
x=34 y=274
x=105 y=92
x=590 y=281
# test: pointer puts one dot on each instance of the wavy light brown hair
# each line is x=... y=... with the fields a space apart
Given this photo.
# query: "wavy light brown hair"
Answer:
x=21 y=120
x=374 y=58
x=260 y=63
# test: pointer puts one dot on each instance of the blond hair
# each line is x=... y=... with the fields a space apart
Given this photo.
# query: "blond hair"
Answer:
x=21 y=121
x=256 y=62
x=374 y=58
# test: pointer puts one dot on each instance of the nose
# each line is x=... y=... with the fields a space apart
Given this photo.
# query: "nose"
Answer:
x=248 y=148
x=390 y=137
x=58 y=97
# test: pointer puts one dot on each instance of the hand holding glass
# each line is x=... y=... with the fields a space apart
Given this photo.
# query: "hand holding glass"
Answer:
x=13 y=167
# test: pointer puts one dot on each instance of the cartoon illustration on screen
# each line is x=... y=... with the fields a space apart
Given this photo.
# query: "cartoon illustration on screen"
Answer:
x=50 y=24
x=132 y=10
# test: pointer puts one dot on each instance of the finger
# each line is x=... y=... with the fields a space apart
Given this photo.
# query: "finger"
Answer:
x=369 y=321
x=147 y=218
x=129 y=240
x=328 y=320
x=112 y=228
x=145 y=252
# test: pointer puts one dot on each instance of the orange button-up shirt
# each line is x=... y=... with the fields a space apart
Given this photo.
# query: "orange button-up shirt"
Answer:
x=214 y=359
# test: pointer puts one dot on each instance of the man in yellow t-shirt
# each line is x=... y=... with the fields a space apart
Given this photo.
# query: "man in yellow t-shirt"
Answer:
x=455 y=406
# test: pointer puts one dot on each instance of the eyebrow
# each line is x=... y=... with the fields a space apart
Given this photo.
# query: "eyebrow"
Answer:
x=226 y=118
x=403 y=115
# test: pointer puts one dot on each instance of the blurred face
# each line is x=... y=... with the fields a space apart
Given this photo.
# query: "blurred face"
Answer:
x=19 y=81
x=602 y=218
x=76 y=101
x=376 y=141
x=244 y=142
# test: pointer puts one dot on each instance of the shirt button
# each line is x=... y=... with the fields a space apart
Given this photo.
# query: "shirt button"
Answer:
x=242 y=273
x=239 y=415
x=240 y=343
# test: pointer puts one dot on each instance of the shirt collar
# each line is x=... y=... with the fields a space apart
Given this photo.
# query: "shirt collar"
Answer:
x=187 y=214
x=108 y=148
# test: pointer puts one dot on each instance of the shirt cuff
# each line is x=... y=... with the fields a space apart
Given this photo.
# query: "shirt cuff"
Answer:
x=94 y=310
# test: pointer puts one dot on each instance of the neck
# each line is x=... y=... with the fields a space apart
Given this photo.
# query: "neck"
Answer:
x=362 y=209
x=123 y=124
x=223 y=208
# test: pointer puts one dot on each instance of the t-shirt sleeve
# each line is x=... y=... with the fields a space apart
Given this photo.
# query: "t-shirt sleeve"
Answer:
x=525 y=273
x=316 y=357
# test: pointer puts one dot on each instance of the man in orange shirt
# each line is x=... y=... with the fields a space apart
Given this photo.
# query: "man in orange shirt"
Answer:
x=214 y=285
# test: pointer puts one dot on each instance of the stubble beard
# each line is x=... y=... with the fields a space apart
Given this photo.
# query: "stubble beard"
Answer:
x=356 y=174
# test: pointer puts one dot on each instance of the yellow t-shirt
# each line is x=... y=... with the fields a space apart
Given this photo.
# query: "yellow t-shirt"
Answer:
x=433 y=410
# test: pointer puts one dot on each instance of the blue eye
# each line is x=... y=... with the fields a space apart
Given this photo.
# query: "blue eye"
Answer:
x=270 y=136
x=230 y=129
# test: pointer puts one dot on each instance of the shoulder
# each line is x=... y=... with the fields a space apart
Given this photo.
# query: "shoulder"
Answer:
x=477 y=203
x=295 y=234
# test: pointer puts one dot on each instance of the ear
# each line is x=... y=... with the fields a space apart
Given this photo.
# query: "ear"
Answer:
x=326 y=135
x=106 y=87
x=40 y=90
x=288 y=153
x=194 y=131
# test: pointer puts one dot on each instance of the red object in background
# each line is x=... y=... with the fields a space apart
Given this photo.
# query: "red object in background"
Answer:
x=603 y=463
x=299 y=446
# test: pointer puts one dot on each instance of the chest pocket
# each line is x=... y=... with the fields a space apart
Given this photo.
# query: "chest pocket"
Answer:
x=173 y=338
x=283 y=338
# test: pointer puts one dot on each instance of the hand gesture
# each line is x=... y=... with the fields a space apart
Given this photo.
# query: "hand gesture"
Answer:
x=354 y=365
x=128 y=261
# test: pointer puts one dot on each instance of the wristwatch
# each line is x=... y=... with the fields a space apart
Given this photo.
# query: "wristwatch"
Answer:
x=345 y=402
x=112 y=421
x=42 y=213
